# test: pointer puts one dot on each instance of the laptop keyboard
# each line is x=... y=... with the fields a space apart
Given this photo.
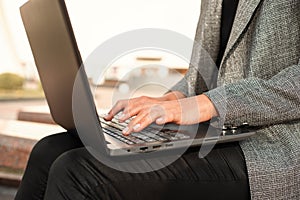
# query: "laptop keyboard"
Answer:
x=148 y=135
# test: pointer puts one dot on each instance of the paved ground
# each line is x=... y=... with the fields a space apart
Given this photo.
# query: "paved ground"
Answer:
x=9 y=109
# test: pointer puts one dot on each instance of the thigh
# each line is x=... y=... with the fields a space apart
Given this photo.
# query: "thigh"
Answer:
x=42 y=156
x=220 y=175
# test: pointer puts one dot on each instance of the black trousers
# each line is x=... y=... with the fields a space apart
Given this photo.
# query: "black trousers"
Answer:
x=61 y=168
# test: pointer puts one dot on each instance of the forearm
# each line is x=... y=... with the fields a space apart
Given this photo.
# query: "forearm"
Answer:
x=260 y=102
x=204 y=104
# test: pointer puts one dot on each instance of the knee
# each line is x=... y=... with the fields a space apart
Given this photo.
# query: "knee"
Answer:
x=62 y=179
x=65 y=170
x=77 y=175
x=75 y=159
x=74 y=165
x=43 y=149
x=60 y=167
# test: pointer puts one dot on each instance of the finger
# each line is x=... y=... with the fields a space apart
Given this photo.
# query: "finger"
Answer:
x=131 y=110
x=161 y=120
x=134 y=124
x=119 y=106
x=166 y=118
x=143 y=123
x=143 y=120
x=134 y=106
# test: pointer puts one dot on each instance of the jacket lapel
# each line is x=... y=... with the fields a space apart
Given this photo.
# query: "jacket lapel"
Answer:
x=245 y=11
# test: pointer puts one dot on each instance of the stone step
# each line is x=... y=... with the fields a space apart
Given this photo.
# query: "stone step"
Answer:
x=39 y=114
x=10 y=179
x=17 y=139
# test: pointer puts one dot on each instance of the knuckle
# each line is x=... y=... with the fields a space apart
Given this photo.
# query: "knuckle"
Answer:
x=148 y=119
x=135 y=121
x=126 y=112
x=171 y=116
x=118 y=104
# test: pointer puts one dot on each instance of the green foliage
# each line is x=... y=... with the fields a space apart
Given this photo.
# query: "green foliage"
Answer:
x=9 y=81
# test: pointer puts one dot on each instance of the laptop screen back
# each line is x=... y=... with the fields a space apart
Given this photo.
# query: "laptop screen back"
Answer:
x=56 y=54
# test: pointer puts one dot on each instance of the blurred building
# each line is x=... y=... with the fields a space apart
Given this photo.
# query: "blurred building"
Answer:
x=94 y=27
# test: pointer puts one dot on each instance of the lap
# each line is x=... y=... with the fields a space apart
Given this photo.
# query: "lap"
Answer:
x=221 y=174
x=42 y=156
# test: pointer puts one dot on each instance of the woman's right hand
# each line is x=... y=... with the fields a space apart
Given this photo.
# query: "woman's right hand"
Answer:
x=129 y=104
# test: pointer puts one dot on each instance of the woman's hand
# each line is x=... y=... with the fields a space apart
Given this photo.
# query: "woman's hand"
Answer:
x=170 y=108
x=128 y=104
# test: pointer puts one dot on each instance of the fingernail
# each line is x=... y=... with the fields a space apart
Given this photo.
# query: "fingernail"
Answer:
x=136 y=127
x=160 y=120
x=125 y=130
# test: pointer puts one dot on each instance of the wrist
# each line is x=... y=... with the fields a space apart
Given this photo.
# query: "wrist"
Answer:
x=206 y=108
x=175 y=95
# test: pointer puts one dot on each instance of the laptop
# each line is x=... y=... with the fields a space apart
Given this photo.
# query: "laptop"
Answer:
x=58 y=61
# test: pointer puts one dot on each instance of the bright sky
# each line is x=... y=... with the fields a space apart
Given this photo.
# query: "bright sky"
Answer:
x=95 y=21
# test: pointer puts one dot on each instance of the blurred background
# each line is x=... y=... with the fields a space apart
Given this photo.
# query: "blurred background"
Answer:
x=24 y=115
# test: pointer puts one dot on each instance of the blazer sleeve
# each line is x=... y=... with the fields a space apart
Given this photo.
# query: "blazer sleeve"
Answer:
x=260 y=102
x=181 y=86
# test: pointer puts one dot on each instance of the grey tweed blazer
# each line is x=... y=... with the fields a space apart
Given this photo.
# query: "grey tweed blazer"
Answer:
x=258 y=83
